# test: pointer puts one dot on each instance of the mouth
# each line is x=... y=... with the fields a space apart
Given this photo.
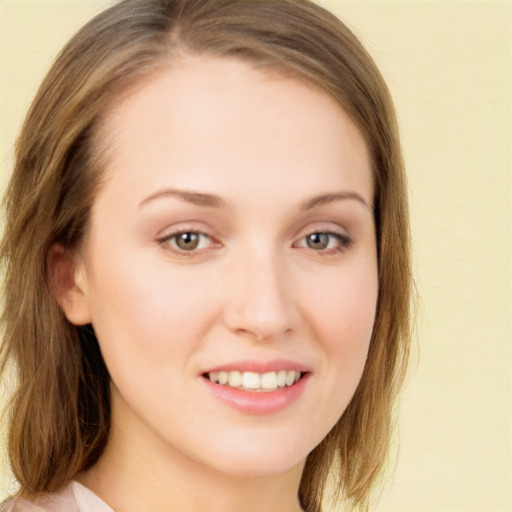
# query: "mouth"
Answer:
x=258 y=387
x=255 y=382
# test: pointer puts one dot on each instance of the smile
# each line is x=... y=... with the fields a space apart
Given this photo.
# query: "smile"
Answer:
x=255 y=382
x=252 y=392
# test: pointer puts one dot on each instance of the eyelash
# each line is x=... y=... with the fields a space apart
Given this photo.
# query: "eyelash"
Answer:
x=171 y=240
x=344 y=242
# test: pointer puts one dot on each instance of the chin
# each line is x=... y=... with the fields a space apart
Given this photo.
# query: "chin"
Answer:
x=257 y=460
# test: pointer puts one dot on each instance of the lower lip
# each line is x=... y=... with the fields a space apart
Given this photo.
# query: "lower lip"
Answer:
x=254 y=402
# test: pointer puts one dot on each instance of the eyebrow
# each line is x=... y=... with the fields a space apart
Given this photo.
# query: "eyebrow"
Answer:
x=196 y=198
x=215 y=201
x=324 y=199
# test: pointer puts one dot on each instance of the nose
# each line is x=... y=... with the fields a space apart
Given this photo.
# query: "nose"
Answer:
x=262 y=304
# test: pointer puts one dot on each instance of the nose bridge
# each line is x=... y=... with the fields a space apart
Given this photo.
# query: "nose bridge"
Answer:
x=262 y=303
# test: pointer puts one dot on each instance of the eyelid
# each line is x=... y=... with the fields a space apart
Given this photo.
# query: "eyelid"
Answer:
x=346 y=240
x=165 y=240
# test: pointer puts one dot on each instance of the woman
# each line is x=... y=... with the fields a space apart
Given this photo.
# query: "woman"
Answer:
x=206 y=264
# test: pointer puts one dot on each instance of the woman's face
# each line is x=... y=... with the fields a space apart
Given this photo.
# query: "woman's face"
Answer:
x=233 y=239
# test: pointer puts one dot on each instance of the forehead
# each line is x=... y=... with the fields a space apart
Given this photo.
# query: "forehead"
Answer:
x=204 y=120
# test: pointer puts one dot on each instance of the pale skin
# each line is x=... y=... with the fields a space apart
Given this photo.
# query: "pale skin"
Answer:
x=268 y=183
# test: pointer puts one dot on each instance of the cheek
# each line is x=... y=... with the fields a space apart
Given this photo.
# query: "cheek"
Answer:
x=142 y=312
x=344 y=306
x=343 y=318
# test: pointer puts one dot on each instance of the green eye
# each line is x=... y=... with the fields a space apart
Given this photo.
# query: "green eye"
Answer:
x=325 y=242
x=188 y=241
x=318 y=241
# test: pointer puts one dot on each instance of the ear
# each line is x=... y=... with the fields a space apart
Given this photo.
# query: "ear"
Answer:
x=67 y=283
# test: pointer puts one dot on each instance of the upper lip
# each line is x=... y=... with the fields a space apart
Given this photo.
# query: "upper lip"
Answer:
x=259 y=366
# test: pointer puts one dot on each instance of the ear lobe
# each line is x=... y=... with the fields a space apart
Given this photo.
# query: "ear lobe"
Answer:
x=67 y=285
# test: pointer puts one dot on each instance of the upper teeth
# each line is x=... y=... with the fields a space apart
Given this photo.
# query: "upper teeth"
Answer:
x=256 y=381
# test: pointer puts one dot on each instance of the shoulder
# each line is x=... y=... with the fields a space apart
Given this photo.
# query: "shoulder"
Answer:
x=63 y=501
x=73 y=498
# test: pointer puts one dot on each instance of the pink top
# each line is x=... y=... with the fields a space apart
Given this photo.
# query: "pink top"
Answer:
x=73 y=498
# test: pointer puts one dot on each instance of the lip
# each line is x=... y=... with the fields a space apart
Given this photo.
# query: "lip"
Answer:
x=259 y=366
x=254 y=402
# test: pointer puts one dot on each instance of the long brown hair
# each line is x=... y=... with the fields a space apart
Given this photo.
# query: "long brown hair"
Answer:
x=60 y=412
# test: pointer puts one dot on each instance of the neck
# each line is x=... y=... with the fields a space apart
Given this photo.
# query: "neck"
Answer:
x=132 y=476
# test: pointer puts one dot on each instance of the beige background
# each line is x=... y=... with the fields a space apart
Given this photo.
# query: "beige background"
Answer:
x=448 y=64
